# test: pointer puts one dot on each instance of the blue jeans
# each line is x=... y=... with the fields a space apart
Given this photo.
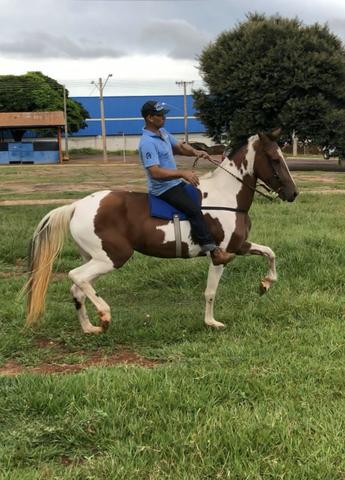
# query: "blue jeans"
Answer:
x=179 y=198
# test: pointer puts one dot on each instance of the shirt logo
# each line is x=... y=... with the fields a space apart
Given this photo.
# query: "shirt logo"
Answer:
x=148 y=155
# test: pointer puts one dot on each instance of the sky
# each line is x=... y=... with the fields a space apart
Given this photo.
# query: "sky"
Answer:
x=147 y=45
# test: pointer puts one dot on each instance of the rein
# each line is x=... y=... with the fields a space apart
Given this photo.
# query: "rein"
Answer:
x=254 y=189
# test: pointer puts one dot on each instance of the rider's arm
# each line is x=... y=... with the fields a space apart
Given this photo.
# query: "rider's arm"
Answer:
x=183 y=148
x=159 y=173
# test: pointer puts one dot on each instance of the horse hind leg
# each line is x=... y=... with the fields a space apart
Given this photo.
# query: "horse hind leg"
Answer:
x=256 y=249
x=79 y=301
x=82 y=288
x=79 y=298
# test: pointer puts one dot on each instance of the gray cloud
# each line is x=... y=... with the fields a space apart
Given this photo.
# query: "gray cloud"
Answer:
x=46 y=45
x=87 y=29
x=176 y=38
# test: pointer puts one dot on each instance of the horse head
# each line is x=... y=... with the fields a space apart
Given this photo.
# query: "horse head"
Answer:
x=271 y=168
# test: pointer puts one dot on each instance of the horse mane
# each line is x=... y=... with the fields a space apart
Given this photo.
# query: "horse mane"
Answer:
x=232 y=150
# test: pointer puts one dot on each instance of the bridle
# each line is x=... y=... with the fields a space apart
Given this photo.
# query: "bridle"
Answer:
x=274 y=178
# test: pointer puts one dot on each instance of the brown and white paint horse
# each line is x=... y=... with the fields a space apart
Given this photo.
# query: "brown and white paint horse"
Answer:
x=108 y=226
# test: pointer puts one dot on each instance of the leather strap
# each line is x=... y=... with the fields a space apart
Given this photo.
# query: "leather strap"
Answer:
x=177 y=228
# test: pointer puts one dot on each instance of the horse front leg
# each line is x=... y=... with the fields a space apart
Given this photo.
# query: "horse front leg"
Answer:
x=249 y=248
x=214 y=275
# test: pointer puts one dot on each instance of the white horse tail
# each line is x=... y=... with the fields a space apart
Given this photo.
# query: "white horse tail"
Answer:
x=46 y=244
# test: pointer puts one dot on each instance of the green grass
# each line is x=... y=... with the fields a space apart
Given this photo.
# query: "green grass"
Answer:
x=264 y=399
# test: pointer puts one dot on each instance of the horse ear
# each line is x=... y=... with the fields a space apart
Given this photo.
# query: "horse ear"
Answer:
x=263 y=137
x=272 y=136
x=276 y=132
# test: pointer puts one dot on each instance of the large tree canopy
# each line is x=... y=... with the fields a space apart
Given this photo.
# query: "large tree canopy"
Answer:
x=36 y=92
x=270 y=72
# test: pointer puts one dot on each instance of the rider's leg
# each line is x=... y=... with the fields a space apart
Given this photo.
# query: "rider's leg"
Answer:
x=179 y=198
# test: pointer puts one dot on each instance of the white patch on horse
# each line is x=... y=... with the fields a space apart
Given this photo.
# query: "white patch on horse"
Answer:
x=169 y=236
x=284 y=161
x=250 y=156
x=82 y=225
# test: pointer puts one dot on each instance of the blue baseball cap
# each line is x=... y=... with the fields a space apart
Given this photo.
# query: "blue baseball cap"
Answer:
x=153 y=108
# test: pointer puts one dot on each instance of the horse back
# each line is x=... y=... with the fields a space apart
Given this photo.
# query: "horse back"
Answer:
x=124 y=217
x=123 y=221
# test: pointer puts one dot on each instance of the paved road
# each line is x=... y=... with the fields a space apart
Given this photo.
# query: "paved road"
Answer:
x=294 y=163
x=312 y=164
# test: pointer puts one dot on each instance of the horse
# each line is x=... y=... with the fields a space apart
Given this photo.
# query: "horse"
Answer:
x=108 y=226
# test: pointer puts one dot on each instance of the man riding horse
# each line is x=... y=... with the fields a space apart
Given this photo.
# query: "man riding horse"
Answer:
x=157 y=148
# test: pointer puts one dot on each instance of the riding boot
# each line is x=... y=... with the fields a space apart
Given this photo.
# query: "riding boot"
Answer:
x=221 y=257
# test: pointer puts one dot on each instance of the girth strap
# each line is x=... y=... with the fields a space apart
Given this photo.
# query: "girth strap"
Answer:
x=177 y=228
x=177 y=225
x=230 y=209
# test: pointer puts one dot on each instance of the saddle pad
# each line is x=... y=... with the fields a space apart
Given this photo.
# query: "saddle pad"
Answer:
x=161 y=209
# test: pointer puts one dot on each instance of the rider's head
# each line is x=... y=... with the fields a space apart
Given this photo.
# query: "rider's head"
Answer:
x=154 y=113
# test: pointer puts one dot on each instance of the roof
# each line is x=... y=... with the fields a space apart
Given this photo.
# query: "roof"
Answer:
x=31 y=119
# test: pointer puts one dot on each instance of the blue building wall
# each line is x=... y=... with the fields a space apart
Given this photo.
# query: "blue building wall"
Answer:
x=29 y=152
x=122 y=115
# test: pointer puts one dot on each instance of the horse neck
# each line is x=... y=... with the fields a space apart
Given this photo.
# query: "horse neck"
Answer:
x=241 y=168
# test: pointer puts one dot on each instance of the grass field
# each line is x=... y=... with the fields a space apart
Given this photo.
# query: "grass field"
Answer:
x=263 y=399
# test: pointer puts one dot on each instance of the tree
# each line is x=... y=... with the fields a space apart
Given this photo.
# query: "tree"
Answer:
x=35 y=92
x=274 y=71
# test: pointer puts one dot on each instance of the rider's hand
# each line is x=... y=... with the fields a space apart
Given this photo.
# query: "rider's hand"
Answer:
x=191 y=177
x=202 y=154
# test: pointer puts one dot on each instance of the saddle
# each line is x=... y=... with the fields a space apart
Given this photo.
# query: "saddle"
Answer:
x=161 y=209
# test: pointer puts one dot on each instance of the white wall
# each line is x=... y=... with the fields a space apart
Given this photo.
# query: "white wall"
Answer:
x=129 y=142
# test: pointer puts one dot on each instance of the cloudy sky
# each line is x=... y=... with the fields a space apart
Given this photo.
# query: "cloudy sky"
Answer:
x=147 y=45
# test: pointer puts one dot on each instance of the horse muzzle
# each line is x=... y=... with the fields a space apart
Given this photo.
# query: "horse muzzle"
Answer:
x=287 y=194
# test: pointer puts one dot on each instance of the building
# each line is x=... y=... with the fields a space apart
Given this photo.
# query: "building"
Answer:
x=14 y=125
x=124 y=123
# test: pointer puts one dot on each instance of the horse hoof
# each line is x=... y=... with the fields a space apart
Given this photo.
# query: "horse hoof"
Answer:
x=105 y=325
x=215 y=324
x=94 y=330
x=104 y=318
x=264 y=286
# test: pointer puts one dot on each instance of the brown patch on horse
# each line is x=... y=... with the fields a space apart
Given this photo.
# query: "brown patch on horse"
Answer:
x=205 y=194
x=123 y=223
x=215 y=228
x=240 y=234
x=244 y=198
x=239 y=157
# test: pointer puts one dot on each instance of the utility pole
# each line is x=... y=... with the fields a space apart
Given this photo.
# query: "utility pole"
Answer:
x=101 y=87
x=66 y=156
x=294 y=144
x=184 y=84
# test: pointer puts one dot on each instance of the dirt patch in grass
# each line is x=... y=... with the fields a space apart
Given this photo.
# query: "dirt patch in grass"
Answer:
x=48 y=201
x=19 y=272
x=326 y=190
x=325 y=178
x=56 y=363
